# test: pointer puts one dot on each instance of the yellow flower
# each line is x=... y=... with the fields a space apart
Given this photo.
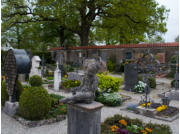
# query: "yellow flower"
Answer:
x=114 y=128
x=161 y=108
x=148 y=129
x=148 y=104
x=123 y=122
x=65 y=76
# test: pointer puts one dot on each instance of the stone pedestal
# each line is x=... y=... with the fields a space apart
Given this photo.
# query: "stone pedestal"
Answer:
x=11 y=108
x=84 y=118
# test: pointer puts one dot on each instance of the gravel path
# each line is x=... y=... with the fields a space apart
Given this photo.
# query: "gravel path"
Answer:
x=11 y=126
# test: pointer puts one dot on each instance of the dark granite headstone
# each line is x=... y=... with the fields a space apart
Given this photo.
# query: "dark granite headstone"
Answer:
x=131 y=76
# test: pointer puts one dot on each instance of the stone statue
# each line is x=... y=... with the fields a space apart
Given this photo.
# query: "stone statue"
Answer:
x=86 y=92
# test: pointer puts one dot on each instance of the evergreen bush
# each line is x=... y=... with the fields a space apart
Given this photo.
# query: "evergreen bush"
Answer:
x=35 y=81
x=34 y=103
x=152 y=82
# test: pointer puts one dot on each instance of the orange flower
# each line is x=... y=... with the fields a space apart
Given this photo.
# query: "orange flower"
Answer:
x=143 y=131
x=148 y=129
x=114 y=128
x=123 y=122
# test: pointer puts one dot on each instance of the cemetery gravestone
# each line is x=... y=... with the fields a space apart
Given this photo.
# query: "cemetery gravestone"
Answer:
x=35 y=69
x=131 y=76
x=17 y=61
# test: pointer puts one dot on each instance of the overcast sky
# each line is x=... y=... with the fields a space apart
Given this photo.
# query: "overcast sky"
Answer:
x=173 y=19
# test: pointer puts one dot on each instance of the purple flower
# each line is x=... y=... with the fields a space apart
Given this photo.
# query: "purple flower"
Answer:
x=122 y=131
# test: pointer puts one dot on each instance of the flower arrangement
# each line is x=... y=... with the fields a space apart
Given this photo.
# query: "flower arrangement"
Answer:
x=123 y=122
x=124 y=128
x=114 y=128
x=119 y=124
x=148 y=104
x=139 y=87
x=161 y=108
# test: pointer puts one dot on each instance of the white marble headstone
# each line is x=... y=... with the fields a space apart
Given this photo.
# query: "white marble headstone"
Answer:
x=35 y=69
x=57 y=78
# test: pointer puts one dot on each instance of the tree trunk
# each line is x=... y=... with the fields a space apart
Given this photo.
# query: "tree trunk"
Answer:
x=61 y=36
x=84 y=36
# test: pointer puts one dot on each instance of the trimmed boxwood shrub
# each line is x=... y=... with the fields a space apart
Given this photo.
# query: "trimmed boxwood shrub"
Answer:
x=4 y=95
x=34 y=103
x=108 y=83
x=35 y=81
x=110 y=99
x=152 y=82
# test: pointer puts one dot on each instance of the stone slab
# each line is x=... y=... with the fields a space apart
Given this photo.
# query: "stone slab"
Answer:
x=11 y=108
x=90 y=107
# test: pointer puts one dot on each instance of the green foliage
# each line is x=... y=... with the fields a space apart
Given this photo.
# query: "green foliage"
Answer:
x=56 y=108
x=48 y=23
x=133 y=125
x=71 y=83
x=46 y=55
x=177 y=39
x=152 y=82
x=34 y=103
x=109 y=84
x=20 y=89
x=173 y=66
x=35 y=80
x=4 y=95
x=110 y=65
x=159 y=128
x=68 y=68
x=3 y=54
x=140 y=78
x=50 y=78
x=110 y=99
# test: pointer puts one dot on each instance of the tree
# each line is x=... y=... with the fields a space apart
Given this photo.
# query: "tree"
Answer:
x=112 y=21
x=177 y=39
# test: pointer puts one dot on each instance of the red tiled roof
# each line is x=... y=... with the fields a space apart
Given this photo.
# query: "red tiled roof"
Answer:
x=174 y=44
